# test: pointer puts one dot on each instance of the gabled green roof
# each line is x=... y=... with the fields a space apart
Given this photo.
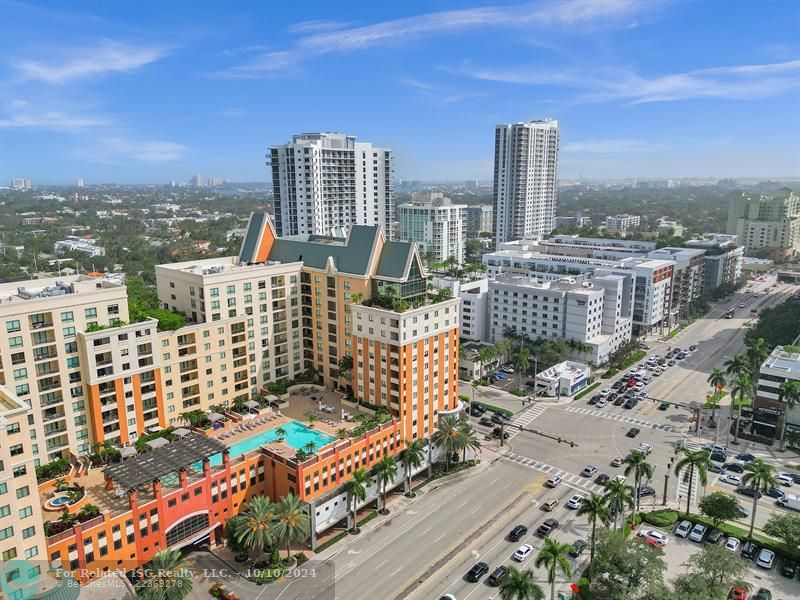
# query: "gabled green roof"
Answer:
x=394 y=258
x=350 y=255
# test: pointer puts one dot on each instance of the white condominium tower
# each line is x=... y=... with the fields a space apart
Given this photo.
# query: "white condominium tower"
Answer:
x=436 y=224
x=525 y=174
x=323 y=181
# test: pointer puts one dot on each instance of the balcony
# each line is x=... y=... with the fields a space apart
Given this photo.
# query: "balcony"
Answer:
x=50 y=430
x=42 y=337
x=41 y=321
x=187 y=351
x=53 y=414
x=50 y=383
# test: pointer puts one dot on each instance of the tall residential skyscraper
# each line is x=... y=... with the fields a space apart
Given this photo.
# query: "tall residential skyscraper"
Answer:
x=525 y=175
x=323 y=181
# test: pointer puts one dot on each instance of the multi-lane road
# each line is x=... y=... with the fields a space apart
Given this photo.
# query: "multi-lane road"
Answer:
x=429 y=543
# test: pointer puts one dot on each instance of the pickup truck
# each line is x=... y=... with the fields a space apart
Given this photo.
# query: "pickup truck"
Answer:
x=547 y=527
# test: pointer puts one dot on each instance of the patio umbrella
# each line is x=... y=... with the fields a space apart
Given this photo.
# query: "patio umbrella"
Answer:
x=271 y=398
x=215 y=417
x=127 y=452
x=181 y=432
x=252 y=404
x=157 y=443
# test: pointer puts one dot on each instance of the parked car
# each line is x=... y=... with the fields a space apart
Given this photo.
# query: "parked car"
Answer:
x=795 y=476
x=762 y=594
x=717 y=457
x=732 y=479
x=735 y=467
x=715 y=469
x=618 y=460
x=547 y=527
x=602 y=479
x=785 y=479
x=788 y=569
x=497 y=576
x=645 y=491
x=738 y=593
x=588 y=471
x=601 y=403
x=619 y=400
x=749 y=550
x=775 y=493
x=714 y=537
x=745 y=457
x=748 y=491
x=550 y=504
x=575 y=501
x=633 y=432
x=732 y=544
x=644 y=448
x=477 y=571
x=683 y=528
x=486 y=422
x=522 y=552
x=594 y=399
x=517 y=533
x=620 y=478
x=605 y=392
x=661 y=538
x=578 y=546
x=765 y=558
x=698 y=532
x=663 y=406
x=553 y=481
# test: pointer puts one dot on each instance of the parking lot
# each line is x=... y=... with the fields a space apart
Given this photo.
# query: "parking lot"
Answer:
x=678 y=550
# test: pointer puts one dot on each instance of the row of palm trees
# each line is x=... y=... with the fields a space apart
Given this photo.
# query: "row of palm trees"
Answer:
x=520 y=584
x=455 y=435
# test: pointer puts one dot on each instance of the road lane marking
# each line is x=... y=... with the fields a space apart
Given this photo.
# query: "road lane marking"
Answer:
x=396 y=572
x=440 y=537
x=476 y=509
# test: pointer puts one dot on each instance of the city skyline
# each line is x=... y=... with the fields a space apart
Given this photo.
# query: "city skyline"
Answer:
x=126 y=97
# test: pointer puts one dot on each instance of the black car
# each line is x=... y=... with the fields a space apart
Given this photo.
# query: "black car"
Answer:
x=714 y=537
x=477 y=571
x=795 y=477
x=745 y=457
x=630 y=403
x=486 y=421
x=499 y=419
x=617 y=384
x=748 y=491
x=645 y=491
x=633 y=432
x=602 y=479
x=619 y=400
x=496 y=578
x=498 y=431
x=476 y=410
x=734 y=467
x=663 y=406
x=517 y=533
x=594 y=399
x=788 y=569
x=718 y=457
x=547 y=527
x=775 y=493
x=578 y=546
x=750 y=550
x=612 y=396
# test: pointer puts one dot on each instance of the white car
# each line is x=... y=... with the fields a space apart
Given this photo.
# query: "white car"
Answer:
x=654 y=535
x=732 y=479
x=639 y=387
x=605 y=392
x=620 y=478
x=683 y=529
x=732 y=544
x=522 y=552
x=575 y=501
x=553 y=481
x=785 y=479
x=601 y=403
x=644 y=448
x=698 y=533
x=765 y=558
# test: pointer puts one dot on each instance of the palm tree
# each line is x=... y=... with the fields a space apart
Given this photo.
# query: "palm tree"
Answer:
x=485 y=356
x=291 y=522
x=636 y=463
x=759 y=476
x=254 y=527
x=790 y=394
x=310 y=447
x=618 y=497
x=194 y=417
x=166 y=578
x=519 y=585
x=474 y=385
x=471 y=442
x=717 y=381
x=356 y=488
x=385 y=473
x=594 y=509
x=62 y=485
x=737 y=368
x=449 y=436
x=698 y=460
x=521 y=363
x=311 y=418
x=411 y=458
x=280 y=432
x=554 y=557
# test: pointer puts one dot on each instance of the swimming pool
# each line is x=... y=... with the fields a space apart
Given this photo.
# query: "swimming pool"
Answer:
x=297 y=436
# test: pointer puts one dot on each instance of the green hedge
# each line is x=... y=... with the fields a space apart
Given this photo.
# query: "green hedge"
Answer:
x=368 y=518
x=517 y=392
x=497 y=409
x=661 y=518
x=633 y=358
x=610 y=373
x=580 y=395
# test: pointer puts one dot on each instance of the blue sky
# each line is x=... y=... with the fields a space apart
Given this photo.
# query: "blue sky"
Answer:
x=136 y=92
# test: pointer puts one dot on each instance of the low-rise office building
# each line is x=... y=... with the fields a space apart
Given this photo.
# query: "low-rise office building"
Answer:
x=622 y=224
x=564 y=379
x=771 y=412
x=722 y=261
x=687 y=277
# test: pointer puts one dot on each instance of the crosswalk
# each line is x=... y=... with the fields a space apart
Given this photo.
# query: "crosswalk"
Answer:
x=524 y=419
x=618 y=417
x=569 y=479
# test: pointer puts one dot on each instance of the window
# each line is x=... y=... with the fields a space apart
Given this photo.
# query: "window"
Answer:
x=13 y=326
x=20 y=373
x=28 y=532
x=25 y=512
x=67 y=317
x=15 y=341
x=5 y=510
x=12 y=428
x=73 y=362
x=69 y=332
x=90 y=313
x=6 y=532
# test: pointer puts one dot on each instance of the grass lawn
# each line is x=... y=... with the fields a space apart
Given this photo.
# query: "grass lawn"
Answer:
x=745 y=402
x=580 y=395
x=710 y=404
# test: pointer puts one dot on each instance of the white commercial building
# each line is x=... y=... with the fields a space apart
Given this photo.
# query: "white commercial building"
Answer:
x=564 y=379
x=527 y=257
x=323 y=181
x=473 y=311
x=525 y=180
x=77 y=244
x=593 y=313
x=438 y=226
x=622 y=223
x=589 y=247
x=722 y=261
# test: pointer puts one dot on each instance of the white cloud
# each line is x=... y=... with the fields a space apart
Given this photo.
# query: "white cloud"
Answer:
x=316 y=25
x=739 y=82
x=550 y=13
x=21 y=114
x=439 y=95
x=113 y=150
x=108 y=57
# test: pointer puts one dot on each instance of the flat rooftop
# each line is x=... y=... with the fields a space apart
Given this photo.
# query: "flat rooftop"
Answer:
x=784 y=360
x=9 y=402
x=215 y=266
x=52 y=287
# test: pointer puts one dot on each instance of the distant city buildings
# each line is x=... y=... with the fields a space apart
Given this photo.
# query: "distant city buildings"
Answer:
x=622 y=224
x=324 y=181
x=20 y=184
x=525 y=180
x=667 y=227
x=216 y=182
x=196 y=181
x=436 y=224
x=767 y=225
x=78 y=244
x=479 y=220
x=575 y=221
x=79 y=182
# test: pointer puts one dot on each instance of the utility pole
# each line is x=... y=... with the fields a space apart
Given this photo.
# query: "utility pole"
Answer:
x=502 y=432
